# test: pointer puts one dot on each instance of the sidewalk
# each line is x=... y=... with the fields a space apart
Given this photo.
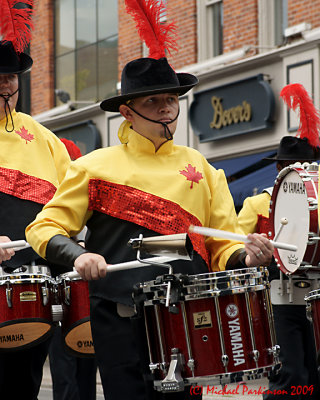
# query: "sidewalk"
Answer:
x=247 y=391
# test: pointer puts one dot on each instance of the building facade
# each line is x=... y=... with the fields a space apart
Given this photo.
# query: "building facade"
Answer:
x=243 y=51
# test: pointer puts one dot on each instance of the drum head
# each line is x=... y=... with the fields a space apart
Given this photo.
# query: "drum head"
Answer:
x=290 y=201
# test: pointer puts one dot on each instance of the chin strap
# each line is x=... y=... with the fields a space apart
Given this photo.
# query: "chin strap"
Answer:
x=167 y=134
x=6 y=98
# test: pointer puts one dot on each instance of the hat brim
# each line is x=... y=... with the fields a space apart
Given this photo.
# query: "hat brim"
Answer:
x=275 y=158
x=187 y=82
x=25 y=63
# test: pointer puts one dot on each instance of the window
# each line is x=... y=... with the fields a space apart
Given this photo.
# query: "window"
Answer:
x=86 y=48
x=273 y=20
x=210 y=28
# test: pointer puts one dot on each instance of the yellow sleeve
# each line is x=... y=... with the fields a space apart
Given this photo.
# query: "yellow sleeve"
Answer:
x=66 y=214
x=223 y=216
x=61 y=159
x=252 y=207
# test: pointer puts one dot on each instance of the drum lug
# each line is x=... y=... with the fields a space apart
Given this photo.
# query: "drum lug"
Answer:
x=275 y=350
x=225 y=360
x=173 y=382
x=190 y=364
x=312 y=238
x=154 y=366
x=9 y=296
x=313 y=203
x=309 y=312
x=56 y=312
x=45 y=295
x=256 y=355
x=66 y=294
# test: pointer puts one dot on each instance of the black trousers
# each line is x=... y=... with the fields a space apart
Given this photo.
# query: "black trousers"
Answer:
x=297 y=354
x=73 y=378
x=21 y=372
x=118 y=359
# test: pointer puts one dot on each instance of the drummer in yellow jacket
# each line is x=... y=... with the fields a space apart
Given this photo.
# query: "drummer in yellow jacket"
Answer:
x=146 y=186
x=293 y=330
x=33 y=162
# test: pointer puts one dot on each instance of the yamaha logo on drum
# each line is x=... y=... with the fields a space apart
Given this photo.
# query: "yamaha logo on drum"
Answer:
x=232 y=310
x=294 y=187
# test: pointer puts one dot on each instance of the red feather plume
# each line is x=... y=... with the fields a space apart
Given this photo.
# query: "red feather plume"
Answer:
x=157 y=36
x=295 y=95
x=16 y=23
x=72 y=148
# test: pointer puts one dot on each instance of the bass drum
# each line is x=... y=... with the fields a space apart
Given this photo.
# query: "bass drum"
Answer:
x=294 y=211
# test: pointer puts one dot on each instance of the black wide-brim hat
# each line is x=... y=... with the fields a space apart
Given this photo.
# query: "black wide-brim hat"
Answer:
x=12 y=62
x=295 y=149
x=146 y=76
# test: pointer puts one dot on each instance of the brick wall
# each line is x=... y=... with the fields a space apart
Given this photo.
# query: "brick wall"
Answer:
x=181 y=11
x=240 y=28
x=240 y=24
x=304 y=11
x=42 y=52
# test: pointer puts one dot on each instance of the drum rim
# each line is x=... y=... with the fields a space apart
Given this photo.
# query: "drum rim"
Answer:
x=229 y=377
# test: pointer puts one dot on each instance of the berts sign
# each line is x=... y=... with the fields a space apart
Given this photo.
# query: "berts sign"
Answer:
x=233 y=109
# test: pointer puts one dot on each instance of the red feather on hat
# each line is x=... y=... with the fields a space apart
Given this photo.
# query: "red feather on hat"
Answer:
x=16 y=23
x=72 y=148
x=295 y=95
x=157 y=36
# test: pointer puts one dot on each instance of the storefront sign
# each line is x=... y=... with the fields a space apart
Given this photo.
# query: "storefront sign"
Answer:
x=233 y=109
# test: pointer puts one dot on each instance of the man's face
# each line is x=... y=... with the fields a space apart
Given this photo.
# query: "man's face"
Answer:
x=159 y=107
x=8 y=85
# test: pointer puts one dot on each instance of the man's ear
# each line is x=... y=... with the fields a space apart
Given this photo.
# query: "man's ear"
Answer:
x=126 y=112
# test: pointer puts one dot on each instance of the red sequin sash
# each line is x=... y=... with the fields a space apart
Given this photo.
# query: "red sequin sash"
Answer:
x=26 y=187
x=144 y=209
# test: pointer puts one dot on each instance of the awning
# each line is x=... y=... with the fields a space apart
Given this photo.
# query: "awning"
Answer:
x=255 y=177
x=253 y=183
x=234 y=165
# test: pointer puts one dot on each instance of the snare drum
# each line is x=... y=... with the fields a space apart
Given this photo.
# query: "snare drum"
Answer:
x=26 y=299
x=219 y=329
x=295 y=197
x=76 y=327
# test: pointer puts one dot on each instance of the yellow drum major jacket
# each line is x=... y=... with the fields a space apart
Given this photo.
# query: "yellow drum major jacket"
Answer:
x=122 y=191
x=33 y=162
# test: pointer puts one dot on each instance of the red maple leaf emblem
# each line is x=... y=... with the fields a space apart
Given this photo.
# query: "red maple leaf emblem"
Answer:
x=24 y=134
x=191 y=174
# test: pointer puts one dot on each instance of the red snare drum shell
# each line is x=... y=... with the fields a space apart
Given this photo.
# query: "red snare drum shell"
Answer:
x=238 y=320
x=204 y=335
x=28 y=321
x=76 y=326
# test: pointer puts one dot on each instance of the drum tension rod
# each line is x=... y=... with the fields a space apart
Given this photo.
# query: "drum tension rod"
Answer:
x=9 y=295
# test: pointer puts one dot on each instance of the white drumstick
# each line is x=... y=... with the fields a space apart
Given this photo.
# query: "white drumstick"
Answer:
x=16 y=245
x=235 y=236
x=131 y=264
x=283 y=221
